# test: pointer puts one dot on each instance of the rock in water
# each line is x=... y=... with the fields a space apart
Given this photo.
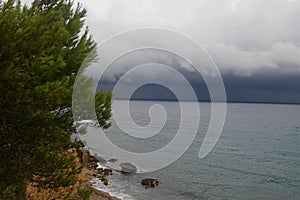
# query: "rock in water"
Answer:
x=128 y=167
x=150 y=182
x=112 y=160
x=104 y=180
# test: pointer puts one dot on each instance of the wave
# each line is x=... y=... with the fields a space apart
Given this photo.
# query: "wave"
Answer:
x=114 y=188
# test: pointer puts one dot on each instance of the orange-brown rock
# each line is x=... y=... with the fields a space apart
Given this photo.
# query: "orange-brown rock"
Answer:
x=83 y=180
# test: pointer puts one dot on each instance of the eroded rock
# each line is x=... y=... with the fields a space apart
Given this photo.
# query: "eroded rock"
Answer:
x=150 y=182
x=128 y=168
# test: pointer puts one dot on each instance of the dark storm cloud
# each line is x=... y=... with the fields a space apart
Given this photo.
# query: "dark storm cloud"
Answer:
x=263 y=88
x=276 y=89
x=267 y=85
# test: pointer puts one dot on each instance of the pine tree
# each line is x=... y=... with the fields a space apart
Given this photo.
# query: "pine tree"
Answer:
x=41 y=49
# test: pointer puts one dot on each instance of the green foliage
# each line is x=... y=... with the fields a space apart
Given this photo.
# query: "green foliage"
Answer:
x=84 y=194
x=86 y=103
x=90 y=106
x=78 y=144
x=41 y=50
x=13 y=191
x=103 y=108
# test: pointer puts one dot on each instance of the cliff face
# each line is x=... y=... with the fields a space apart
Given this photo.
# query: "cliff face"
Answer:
x=81 y=190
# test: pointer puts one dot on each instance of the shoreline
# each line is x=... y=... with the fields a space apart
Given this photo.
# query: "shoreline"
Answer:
x=90 y=171
x=86 y=176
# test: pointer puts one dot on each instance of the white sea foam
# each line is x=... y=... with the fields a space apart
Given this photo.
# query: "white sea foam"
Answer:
x=87 y=121
x=100 y=166
x=114 y=189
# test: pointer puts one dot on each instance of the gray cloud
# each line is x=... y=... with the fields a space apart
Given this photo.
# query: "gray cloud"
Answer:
x=248 y=40
x=241 y=36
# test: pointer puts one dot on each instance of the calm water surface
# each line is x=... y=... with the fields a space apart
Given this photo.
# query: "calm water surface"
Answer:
x=256 y=157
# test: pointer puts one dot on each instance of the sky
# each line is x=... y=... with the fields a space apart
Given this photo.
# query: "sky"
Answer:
x=255 y=44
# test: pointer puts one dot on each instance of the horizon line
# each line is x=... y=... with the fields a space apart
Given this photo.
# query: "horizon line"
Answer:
x=208 y=101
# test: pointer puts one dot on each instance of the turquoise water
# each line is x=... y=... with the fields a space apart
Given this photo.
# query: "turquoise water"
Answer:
x=256 y=157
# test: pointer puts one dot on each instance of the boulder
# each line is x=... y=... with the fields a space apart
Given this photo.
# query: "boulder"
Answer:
x=128 y=168
x=150 y=182
x=107 y=172
x=100 y=170
x=93 y=165
x=104 y=180
x=112 y=160
x=93 y=159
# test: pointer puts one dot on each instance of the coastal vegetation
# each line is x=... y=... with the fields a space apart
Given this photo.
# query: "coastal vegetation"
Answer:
x=42 y=47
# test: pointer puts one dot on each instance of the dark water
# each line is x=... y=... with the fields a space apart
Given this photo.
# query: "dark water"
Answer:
x=256 y=157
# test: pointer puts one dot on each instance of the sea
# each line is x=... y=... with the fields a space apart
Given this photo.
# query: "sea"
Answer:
x=257 y=155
